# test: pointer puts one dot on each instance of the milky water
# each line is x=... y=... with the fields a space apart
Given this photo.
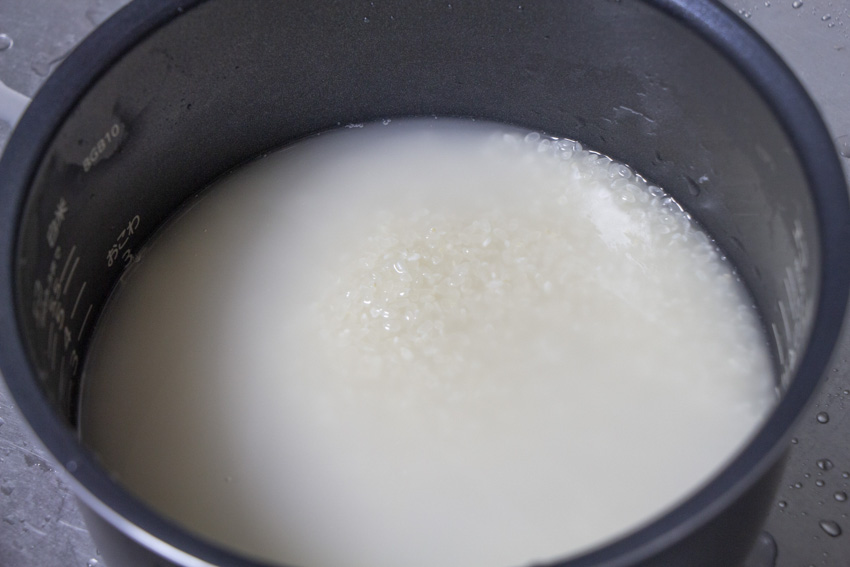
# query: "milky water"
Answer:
x=428 y=343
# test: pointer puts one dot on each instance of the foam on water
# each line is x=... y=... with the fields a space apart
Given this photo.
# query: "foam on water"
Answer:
x=425 y=343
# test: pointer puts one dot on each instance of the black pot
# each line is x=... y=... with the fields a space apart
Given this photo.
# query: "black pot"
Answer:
x=168 y=94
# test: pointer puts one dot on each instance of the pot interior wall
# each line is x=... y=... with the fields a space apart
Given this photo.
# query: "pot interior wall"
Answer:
x=226 y=81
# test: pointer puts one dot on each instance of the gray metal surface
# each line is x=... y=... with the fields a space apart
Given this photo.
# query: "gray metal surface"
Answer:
x=810 y=522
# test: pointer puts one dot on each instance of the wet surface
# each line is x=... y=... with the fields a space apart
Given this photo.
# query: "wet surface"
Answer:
x=810 y=521
x=40 y=524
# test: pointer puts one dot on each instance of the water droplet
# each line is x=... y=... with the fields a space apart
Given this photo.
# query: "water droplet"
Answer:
x=386 y=121
x=5 y=42
x=767 y=4
x=44 y=63
x=826 y=17
x=822 y=417
x=797 y=485
x=794 y=441
x=782 y=504
x=845 y=475
x=33 y=461
x=807 y=475
x=92 y=562
x=831 y=528
x=743 y=13
x=824 y=464
x=366 y=20
x=843 y=143
x=841 y=496
x=819 y=483
x=96 y=16
x=796 y=4
x=764 y=552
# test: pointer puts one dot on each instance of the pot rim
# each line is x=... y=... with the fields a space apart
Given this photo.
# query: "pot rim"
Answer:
x=713 y=22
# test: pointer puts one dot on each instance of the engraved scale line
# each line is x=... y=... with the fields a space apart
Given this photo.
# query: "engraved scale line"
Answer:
x=71 y=275
x=77 y=302
x=85 y=320
x=67 y=261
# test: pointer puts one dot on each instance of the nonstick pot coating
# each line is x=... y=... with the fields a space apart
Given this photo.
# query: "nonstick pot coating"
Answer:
x=169 y=95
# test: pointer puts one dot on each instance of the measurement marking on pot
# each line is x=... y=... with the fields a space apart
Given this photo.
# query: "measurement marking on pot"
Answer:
x=780 y=350
x=53 y=350
x=65 y=267
x=785 y=322
x=73 y=361
x=71 y=275
x=66 y=338
x=77 y=302
x=791 y=290
x=121 y=241
x=85 y=320
x=59 y=214
x=50 y=339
